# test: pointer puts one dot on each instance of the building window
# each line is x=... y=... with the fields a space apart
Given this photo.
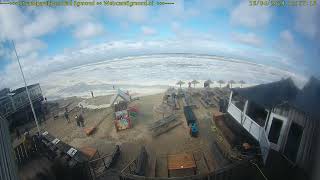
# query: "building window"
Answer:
x=293 y=141
x=275 y=130
x=257 y=113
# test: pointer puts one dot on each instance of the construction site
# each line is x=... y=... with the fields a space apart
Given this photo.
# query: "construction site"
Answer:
x=183 y=133
x=180 y=133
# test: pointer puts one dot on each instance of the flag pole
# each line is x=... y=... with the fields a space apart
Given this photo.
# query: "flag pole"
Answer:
x=25 y=84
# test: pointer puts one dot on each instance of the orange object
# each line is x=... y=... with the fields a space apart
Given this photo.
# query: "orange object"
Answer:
x=181 y=161
x=218 y=116
x=89 y=152
x=89 y=130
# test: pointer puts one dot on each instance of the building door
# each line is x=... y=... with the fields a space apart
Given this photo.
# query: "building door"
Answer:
x=276 y=130
x=293 y=142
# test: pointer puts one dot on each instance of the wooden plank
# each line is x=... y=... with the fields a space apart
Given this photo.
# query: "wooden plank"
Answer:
x=162 y=167
x=202 y=167
x=166 y=128
x=209 y=161
x=181 y=161
x=88 y=151
x=151 y=166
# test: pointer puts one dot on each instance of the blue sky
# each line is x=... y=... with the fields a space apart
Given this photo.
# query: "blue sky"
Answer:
x=52 y=39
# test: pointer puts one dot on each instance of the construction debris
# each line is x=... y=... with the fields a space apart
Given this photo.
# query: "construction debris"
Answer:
x=163 y=125
x=120 y=94
x=188 y=100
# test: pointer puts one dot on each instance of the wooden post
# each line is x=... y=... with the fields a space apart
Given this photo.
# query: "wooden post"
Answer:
x=230 y=97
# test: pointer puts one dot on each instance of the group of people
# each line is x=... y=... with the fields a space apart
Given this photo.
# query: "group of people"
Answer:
x=79 y=118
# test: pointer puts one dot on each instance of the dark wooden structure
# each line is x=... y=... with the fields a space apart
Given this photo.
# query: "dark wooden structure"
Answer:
x=236 y=171
x=15 y=106
x=75 y=162
x=142 y=161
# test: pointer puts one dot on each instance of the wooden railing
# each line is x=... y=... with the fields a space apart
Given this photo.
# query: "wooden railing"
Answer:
x=235 y=171
x=25 y=150
x=252 y=127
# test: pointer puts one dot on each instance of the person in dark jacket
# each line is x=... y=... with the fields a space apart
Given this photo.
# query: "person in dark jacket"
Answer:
x=80 y=120
x=66 y=115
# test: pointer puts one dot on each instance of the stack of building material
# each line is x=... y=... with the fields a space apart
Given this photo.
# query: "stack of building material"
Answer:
x=170 y=97
x=163 y=125
x=208 y=98
x=113 y=157
x=189 y=101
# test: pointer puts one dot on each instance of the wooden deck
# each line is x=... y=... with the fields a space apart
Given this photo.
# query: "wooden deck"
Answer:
x=181 y=161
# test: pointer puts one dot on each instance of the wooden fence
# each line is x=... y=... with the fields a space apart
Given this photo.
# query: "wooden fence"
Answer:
x=235 y=171
x=25 y=150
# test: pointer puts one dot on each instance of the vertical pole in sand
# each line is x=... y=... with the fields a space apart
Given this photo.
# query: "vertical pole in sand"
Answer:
x=25 y=84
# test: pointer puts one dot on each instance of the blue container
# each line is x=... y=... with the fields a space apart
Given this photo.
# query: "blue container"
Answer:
x=194 y=130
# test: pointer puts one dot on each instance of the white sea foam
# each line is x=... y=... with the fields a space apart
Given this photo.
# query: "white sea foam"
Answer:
x=153 y=74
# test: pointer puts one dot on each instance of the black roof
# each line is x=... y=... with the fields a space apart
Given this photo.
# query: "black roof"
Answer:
x=4 y=92
x=19 y=90
x=308 y=99
x=271 y=94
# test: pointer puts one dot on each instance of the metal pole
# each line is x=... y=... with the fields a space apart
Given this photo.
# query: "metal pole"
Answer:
x=25 y=84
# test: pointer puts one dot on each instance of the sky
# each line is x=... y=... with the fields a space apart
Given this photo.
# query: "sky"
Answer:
x=50 y=39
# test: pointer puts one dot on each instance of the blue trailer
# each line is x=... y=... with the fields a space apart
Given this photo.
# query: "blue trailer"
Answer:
x=188 y=113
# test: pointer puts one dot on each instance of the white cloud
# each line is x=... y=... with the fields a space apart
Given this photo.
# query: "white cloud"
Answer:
x=250 y=16
x=288 y=46
x=45 y=21
x=248 y=38
x=148 y=30
x=88 y=30
x=286 y=36
x=307 y=20
x=135 y=14
x=28 y=46
x=12 y=21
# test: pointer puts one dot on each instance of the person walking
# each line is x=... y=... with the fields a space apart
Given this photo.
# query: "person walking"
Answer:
x=81 y=120
x=66 y=115
x=92 y=94
x=77 y=120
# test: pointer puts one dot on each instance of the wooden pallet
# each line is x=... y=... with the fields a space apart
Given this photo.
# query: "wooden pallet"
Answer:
x=166 y=128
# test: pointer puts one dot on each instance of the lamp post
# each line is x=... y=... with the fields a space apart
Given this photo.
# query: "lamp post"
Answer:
x=25 y=84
